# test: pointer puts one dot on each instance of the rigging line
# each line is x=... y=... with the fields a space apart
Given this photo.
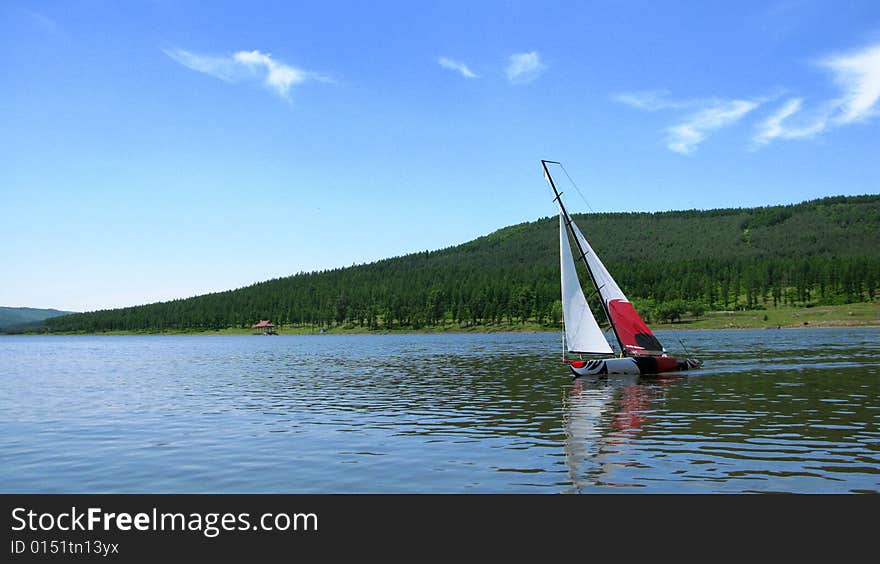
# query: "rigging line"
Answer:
x=570 y=179
x=686 y=351
x=676 y=336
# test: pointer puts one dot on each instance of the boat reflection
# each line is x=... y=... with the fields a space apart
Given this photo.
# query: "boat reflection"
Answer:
x=601 y=417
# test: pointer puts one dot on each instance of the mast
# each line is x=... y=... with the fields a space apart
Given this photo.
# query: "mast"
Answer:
x=583 y=255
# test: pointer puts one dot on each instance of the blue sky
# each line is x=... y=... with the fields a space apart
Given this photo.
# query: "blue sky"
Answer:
x=163 y=149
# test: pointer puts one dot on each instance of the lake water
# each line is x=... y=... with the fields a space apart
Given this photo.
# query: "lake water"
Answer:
x=773 y=411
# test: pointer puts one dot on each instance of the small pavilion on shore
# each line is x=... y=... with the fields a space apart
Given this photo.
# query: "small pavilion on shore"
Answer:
x=264 y=327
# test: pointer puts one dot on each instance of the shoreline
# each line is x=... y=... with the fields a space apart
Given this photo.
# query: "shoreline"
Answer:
x=865 y=314
x=665 y=328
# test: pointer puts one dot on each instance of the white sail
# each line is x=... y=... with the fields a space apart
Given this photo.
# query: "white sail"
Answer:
x=608 y=288
x=582 y=333
x=634 y=336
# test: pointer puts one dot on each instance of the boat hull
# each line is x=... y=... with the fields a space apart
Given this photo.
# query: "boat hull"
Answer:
x=632 y=365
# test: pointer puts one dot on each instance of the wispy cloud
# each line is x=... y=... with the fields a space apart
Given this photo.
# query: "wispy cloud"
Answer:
x=652 y=100
x=277 y=76
x=524 y=67
x=223 y=68
x=46 y=23
x=460 y=67
x=684 y=137
x=774 y=128
x=857 y=74
x=705 y=115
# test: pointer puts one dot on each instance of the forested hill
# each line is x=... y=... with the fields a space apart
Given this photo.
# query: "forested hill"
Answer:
x=13 y=316
x=820 y=251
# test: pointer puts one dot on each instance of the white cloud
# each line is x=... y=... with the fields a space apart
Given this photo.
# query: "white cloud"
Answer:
x=684 y=137
x=707 y=114
x=450 y=64
x=277 y=76
x=774 y=128
x=651 y=100
x=524 y=67
x=223 y=68
x=856 y=74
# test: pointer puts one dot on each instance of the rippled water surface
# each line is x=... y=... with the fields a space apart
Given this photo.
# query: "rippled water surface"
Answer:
x=773 y=410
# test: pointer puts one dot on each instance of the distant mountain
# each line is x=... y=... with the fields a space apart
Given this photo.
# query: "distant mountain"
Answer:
x=824 y=251
x=12 y=316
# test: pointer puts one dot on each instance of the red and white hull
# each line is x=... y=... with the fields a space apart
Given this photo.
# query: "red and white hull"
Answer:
x=633 y=365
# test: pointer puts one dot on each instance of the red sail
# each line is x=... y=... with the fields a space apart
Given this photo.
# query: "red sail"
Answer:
x=632 y=331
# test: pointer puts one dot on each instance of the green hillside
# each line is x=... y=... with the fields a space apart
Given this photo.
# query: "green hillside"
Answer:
x=823 y=251
x=12 y=316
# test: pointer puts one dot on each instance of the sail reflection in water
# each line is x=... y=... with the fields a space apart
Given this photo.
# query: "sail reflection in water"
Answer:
x=601 y=416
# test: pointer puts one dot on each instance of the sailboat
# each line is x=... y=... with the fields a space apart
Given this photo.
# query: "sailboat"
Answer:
x=639 y=351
